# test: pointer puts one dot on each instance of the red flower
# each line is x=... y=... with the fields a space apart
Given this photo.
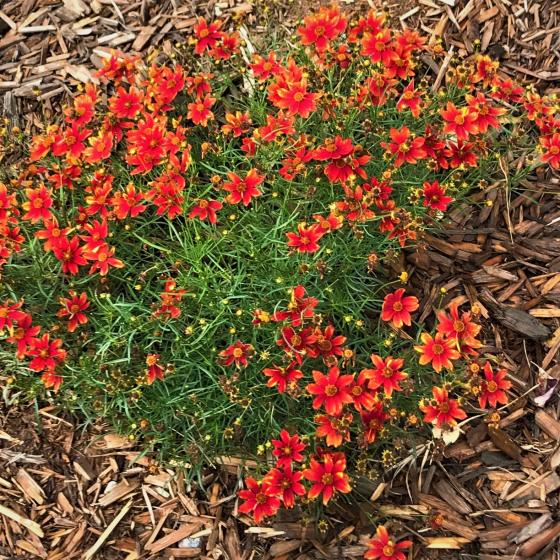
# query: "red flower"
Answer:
x=459 y=121
x=434 y=196
x=387 y=374
x=97 y=232
x=493 y=387
x=485 y=113
x=155 y=369
x=457 y=327
x=340 y=170
x=397 y=309
x=51 y=379
x=551 y=149
x=70 y=254
x=10 y=312
x=38 y=204
x=226 y=47
x=335 y=429
x=23 y=334
x=379 y=47
x=328 y=477
x=438 y=351
x=243 y=190
x=167 y=194
x=328 y=343
x=282 y=377
x=410 y=99
x=199 y=111
x=206 y=210
x=321 y=28
x=71 y=141
x=334 y=148
x=361 y=395
x=103 y=258
x=298 y=343
x=52 y=234
x=73 y=308
x=128 y=203
x=126 y=104
x=206 y=35
x=297 y=100
x=306 y=238
x=332 y=390
x=257 y=500
x=383 y=547
x=170 y=297
x=299 y=308
x=442 y=411
x=287 y=449
x=373 y=421
x=46 y=354
x=263 y=68
x=237 y=124
x=284 y=484
x=406 y=148
x=237 y=354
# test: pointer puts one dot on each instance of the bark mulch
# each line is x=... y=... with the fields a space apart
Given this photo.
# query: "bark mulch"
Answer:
x=493 y=494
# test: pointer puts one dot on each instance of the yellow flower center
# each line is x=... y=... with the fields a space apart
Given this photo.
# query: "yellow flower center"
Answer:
x=331 y=390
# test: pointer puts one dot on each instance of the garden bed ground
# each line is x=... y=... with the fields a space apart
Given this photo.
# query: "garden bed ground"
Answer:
x=65 y=493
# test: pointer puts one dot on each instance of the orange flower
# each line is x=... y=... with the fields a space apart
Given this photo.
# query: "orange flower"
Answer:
x=296 y=100
x=442 y=411
x=493 y=387
x=438 y=351
x=128 y=203
x=237 y=124
x=397 y=309
x=379 y=46
x=263 y=68
x=46 y=353
x=485 y=113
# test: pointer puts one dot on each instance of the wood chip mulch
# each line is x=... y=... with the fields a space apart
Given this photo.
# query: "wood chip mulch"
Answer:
x=492 y=495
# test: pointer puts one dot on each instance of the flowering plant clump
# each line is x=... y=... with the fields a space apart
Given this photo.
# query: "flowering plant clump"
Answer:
x=199 y=252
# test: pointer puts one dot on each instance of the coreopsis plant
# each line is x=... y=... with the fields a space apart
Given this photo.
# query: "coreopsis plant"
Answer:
x=200 y=252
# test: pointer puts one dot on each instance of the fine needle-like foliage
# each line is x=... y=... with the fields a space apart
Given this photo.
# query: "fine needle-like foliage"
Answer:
x=200 y=254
